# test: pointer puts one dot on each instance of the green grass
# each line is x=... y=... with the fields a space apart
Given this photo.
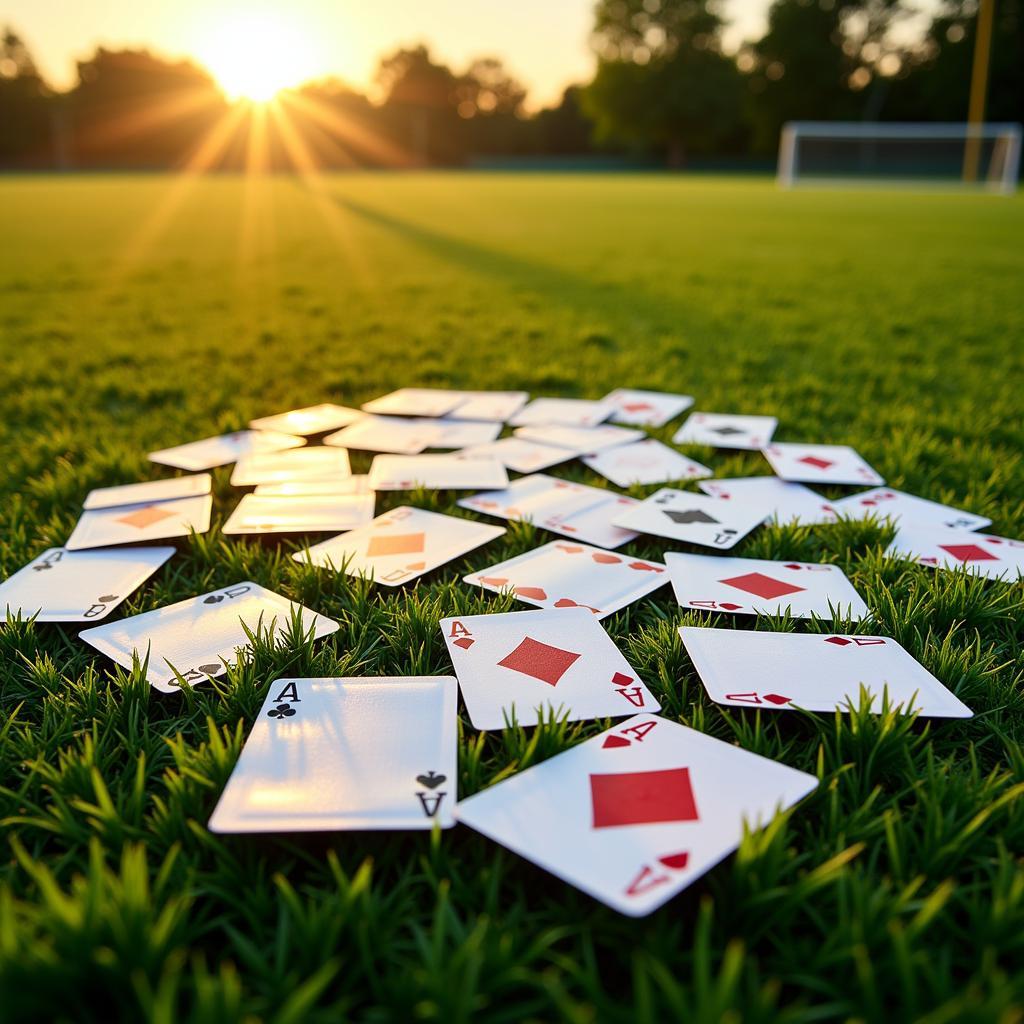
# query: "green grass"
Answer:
x=137 y=313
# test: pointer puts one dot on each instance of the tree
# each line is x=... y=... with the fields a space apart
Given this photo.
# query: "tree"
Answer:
x=26 y=138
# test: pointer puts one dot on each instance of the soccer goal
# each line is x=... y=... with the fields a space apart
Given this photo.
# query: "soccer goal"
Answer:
x=942 y=155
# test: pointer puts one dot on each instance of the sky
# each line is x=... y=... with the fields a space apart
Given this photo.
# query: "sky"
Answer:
x=543 y=42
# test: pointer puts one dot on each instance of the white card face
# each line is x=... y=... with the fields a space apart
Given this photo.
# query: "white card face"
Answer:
x=132 y=524
x=646 y=408
x=566 y=412
x=564 y=575
x=302 y=513
x=415 y=402
x=724 y=430
x=400 y=545
x=980 y=554
x=329 y=755
x=312 y=419
x=820 y=464
x=78 y=586
x=438 y=472
x=783 y=671
x=581 y=440
x=357 y=484
x=573 y=510
x=195 y=637
x=515 y=664
x=384 y=434
x=450 y=433
x=277 y=467
x=520 y=456
x=907 y=510
x=693 y=518
x=646 y=462
x=149 y=491
x=636 y=814
x=757 y=586
x=211 y=452
x=788 y=502
x=498 y=406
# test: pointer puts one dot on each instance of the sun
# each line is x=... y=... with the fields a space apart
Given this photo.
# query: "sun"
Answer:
x=253 y=56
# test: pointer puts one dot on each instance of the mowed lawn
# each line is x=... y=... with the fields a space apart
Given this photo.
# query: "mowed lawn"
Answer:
x=142 y=312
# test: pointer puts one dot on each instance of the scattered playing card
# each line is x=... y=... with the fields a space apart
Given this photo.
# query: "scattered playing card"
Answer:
x=567 y=412
x=564 y=575
x=357 y=484
x=820 y=464
x=521 y=456
x=580 y=440
x=637 y=813
x=438 y=472
x=573 y=510
x=646 y=462
x=400 y=545
x=907 y=510
x=211 y=452
x=303 y=513
x=780 y=671
x=980 y=554
x=313 y=419
x=694 y=518
x=498 y=406
x=132 y=524
x=384 y=434
x=78 y=586
x=724 y=430
x=195 y=637
x=149 y=491
x=415 y=402
x=756 y=586
x=278 y=467
x=528 y=663
x=646 y=408
x=789 y=503
x=450 y=433
x=328 y=755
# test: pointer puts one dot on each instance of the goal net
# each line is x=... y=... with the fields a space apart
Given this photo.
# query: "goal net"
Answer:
x=914 y=154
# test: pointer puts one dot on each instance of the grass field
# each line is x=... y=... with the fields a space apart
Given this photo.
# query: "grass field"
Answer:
x=137 y=313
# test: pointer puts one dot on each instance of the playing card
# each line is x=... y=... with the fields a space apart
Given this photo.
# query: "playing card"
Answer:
x=302 y=513
x=277 y=467
x=724 y=430
x=438 y=472
x=384 y=434
x=646 y=408
x=313 y=419
x=400 y=545
x=580 y=440
x=980 y=554
x=635 y=814
x=527 y=664
x=646 y=462
x=132 y=524
x=566 y=412
x=415 y=402
x=356 y=484
x=820 y=464
x=782 y=671
x=211 y=452
x=78 y=586
x=573 y=510
x=565 y=575
x=788 y=503
x=451 y=433
x=149 y=491
x=757 y=586
x=329 y=755
x=693 y=518
x=498 y=406
x=195 y=637
x=907 y=510
x=521 y=456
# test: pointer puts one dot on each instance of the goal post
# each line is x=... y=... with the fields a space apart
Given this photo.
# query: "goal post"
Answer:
x=922 y=155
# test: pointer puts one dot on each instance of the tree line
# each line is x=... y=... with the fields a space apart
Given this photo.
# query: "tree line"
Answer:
x=664 y=89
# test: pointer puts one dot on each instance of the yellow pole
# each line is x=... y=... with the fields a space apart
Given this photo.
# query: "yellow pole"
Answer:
x=979 y=86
